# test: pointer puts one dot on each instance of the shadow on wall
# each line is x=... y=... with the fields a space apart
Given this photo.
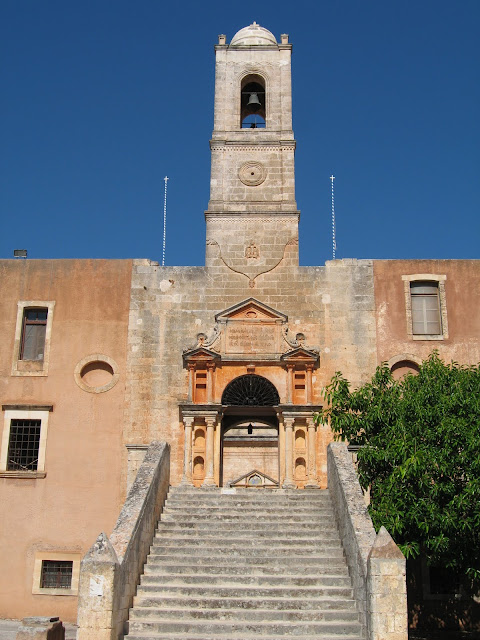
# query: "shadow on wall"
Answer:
x=435 y=603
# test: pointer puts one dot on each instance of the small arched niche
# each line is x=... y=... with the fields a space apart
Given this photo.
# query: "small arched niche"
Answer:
x=300 y=439
x=300 y=469
x=253 y=113
x=199 y=441
x=198 y=467
x=404 y=367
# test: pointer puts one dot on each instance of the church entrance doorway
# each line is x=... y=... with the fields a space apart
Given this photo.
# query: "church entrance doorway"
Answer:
x=249 y=434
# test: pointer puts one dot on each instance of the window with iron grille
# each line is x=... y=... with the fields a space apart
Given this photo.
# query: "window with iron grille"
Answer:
x=24 y=444
x=33 y=334
x=426 y=317
x=56 y=574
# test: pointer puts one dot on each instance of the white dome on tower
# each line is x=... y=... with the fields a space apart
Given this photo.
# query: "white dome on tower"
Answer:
x=254 y=34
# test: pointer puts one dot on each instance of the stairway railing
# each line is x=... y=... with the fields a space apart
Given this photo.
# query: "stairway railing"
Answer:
x=376 y=564
x=111 y=569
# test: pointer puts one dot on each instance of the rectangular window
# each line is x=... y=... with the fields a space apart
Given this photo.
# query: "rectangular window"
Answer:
x=426 y=317
x=33 y=334
x=24 y=440
x=24 y=445
x=56 y=574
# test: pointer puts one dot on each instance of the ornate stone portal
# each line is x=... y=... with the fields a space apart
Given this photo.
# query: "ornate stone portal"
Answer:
x=249 y=415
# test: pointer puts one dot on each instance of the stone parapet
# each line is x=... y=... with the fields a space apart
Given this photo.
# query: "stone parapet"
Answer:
x=110 y=571
x=41 y=628
x=376 y=564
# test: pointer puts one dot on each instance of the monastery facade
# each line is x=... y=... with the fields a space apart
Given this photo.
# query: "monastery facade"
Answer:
x=225 y=362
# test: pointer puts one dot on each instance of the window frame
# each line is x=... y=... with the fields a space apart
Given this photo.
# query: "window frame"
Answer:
x=40 y=557
x=22 y=367
x=439 y=281
x=17 y=412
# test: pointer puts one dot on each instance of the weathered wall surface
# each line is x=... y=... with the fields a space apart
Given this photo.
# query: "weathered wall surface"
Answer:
x=462 y=301
x=81 y=492
x=332 y=305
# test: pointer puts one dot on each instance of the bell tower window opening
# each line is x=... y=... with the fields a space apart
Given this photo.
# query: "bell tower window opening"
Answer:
x=252 y=105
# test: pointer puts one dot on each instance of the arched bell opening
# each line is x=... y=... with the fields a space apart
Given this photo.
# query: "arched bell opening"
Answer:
x=253 y=103
x=249 y=435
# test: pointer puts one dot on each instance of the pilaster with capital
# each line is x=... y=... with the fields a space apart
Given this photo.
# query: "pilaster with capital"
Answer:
x=312 y=482
x=209 y=452
x=187 y=454
x=289 y=482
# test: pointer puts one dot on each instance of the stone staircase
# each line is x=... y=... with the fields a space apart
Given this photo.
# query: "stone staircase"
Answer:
x=257 y=563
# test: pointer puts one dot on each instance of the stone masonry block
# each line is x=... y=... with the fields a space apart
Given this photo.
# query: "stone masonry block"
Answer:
x=41 y=628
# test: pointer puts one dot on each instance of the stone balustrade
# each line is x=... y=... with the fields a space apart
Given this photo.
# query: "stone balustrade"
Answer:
x=111 y=569
x=376 y=564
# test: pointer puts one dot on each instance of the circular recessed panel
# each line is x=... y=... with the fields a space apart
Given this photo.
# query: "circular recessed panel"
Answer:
x=96 y=373
x=252 y=173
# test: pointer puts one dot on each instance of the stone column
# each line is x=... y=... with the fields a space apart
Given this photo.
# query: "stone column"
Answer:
x=290 y=369
x=209 y=452
x=191 y=375
x=312 y=482
x=187 y=451
x=309 y=383
x=289 y=482
x=210 y=370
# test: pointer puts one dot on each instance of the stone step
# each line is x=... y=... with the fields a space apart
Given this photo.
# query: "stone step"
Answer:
x=244 y=503
x=201 y=601
x=215 y=627
x=274 y=519
x=258 y=615
x=300 y=562
x=224 y=492
x=252 y=509
x=250 y=527
x=159 y=566
x=213 y=591
x=253 y=497
x=255 y=528
x=266 y=532
x=234 y=636
x=152 y=577
x=259 y=550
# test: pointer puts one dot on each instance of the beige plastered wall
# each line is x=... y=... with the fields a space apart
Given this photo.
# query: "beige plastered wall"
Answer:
x=81 y=493
x=462 y=301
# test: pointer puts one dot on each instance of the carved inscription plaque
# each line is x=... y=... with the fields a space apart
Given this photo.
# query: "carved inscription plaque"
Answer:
x=250 y=338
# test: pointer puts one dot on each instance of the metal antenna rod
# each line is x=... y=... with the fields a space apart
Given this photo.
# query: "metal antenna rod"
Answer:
x=334 y=241
x=164 y=220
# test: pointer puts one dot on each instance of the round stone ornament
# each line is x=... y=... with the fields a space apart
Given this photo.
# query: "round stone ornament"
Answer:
x=252 y=173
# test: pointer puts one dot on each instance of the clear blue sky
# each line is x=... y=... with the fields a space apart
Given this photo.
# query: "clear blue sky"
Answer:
x=100 y=100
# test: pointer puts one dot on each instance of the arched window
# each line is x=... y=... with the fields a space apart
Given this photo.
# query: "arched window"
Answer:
x=403 y=367
x=252 y=103
x=250 y=390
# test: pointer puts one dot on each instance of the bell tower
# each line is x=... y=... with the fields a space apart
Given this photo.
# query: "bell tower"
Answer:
x=252 y=214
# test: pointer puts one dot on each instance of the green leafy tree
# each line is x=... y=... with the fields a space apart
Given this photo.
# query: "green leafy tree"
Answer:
x=420 y=456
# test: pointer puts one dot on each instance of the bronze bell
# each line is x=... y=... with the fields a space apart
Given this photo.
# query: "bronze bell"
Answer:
x=253 y=102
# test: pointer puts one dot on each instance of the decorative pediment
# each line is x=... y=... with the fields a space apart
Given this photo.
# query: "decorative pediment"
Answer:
x=300 y=355
x=200 y=354
x=251 y=310
x=254 y=479
x=251 y=330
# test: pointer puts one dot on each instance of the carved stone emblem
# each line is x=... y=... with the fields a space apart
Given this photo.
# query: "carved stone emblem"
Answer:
x=252 y=251
x=252 y=173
